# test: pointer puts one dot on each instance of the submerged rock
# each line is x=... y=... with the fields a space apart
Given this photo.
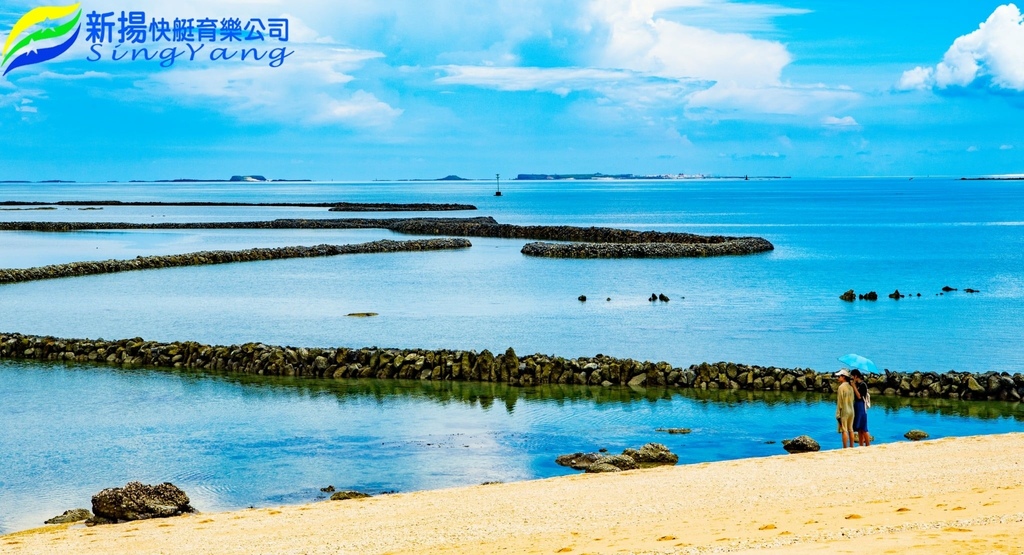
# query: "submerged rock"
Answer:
x=138 y=501
x=916 y=435
x=801 y=444
x=74 y=515
x=674 y=431
x=578 y=461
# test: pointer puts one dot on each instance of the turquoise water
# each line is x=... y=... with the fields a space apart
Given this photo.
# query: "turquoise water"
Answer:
x=779 y=308
x=232 y=441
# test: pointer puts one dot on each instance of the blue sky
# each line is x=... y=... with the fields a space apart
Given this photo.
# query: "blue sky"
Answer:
x=376 y=90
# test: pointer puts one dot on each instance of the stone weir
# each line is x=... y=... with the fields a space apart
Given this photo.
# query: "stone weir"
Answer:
x=735 y=246
x=592 y=242
x=389 y=207
x=335 y=223
x=76 y=269
x=509 y=368
x=333 y=206
x=587 y=242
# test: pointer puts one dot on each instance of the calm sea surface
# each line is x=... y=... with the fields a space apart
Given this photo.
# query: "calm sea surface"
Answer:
x=233 y=441
x=70 y=431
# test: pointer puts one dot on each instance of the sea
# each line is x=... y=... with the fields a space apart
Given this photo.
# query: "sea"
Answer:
x=233 y=442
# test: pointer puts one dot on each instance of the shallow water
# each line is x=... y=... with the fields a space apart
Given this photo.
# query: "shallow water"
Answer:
x=233 y=441
x=779 y=308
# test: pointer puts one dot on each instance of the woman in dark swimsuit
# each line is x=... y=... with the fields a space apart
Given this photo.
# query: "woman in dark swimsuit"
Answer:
x=860 y=413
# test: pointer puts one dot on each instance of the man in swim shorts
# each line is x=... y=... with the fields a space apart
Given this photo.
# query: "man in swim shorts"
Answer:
x=844 y=407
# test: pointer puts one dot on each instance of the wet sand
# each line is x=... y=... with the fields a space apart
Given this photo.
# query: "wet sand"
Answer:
x=955 y=495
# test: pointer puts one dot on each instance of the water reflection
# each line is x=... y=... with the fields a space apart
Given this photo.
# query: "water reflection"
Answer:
x=486 y=395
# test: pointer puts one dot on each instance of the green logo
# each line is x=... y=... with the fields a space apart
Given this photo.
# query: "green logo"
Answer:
x=29 y=53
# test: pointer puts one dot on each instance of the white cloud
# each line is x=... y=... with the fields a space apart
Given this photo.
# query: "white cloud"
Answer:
x=560 y=80
x=638 y=40
x=624 y=89
x=26 y=106
x=639 y=57
x=844 y=122
x=722 y=100
x=919 y=78
x=642 y=58
x=309 y=91
x=993 y=53
x=44 y=75
x=736 y=17
x=972 y=149
x=1005 y=147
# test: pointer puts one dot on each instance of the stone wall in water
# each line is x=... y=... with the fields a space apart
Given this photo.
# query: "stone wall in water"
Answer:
x=734 y=246
x=260 y=359
x=204 y=258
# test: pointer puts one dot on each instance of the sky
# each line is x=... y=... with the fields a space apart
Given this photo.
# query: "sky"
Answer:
x=379 y=89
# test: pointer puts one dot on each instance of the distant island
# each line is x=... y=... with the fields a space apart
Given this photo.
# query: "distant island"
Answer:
x=631 y=177
x=234 y=179
x=995 y=178
x=452 y=177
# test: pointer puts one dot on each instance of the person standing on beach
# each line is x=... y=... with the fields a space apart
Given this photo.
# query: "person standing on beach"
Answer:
x=860 y=412
x=844 y=407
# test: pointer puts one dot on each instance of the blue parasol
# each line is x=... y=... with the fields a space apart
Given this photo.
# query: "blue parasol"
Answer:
x=859 y=362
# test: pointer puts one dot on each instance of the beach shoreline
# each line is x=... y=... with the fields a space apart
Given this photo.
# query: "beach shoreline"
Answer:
x=954 y=495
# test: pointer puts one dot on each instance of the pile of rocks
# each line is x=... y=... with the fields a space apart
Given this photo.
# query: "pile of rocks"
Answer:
x=138 y=501
x=651 y=454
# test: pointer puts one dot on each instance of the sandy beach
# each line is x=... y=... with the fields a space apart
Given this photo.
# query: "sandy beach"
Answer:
x=954 y=495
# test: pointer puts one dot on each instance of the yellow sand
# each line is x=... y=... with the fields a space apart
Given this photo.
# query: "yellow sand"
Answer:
x=961 y=495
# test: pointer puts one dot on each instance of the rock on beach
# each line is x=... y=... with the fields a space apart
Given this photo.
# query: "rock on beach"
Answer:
x=138 y=501
x=801 y=444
